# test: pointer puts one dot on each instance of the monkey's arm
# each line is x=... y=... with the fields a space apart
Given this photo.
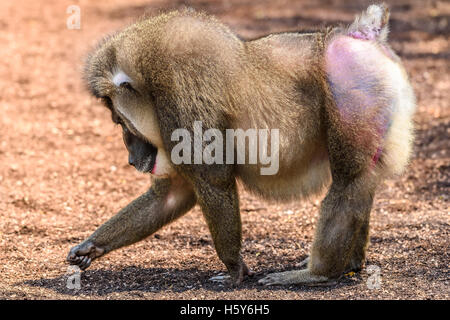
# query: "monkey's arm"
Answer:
x=165 y=201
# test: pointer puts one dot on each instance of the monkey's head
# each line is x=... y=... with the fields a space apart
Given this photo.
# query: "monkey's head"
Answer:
x=114 y=73
x=158 y=75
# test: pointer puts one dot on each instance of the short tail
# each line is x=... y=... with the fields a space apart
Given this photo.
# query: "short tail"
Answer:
x=372 y=24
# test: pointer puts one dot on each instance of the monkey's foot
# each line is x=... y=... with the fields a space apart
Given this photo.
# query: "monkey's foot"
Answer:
x=294 y=277
x=355 y=264
x=83 y=254
x=238 y=275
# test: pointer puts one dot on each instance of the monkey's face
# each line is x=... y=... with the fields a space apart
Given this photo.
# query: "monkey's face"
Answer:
x=134 y=111
x=141 y=154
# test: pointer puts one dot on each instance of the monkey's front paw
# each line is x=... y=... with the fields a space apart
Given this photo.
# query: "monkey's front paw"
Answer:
x=293 y=277
x=83 y=254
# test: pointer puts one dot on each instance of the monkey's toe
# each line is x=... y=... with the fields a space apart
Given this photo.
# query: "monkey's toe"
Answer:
x=83 y=254
x=220 y=278
x=85 y=262
x=303 y=263
x=293 y=277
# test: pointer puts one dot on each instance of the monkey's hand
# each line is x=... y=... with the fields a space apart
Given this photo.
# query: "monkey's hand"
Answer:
x=294 y=277
x=83 y=254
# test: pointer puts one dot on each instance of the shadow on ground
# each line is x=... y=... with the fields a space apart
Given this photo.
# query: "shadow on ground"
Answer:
x=136 y=279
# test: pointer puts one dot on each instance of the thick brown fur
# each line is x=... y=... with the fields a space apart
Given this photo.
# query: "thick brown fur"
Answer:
x=186 y=66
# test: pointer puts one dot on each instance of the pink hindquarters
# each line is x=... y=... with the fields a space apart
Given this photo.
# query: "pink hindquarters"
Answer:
x=357 y=77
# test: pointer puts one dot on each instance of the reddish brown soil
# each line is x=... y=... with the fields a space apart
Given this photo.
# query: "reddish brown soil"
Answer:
x=64 y=171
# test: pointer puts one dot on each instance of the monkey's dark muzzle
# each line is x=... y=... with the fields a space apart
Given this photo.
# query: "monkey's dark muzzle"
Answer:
x=141 y=154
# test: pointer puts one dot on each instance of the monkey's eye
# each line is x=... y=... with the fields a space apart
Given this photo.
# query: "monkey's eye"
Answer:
x=126 y=85
x=122 y=80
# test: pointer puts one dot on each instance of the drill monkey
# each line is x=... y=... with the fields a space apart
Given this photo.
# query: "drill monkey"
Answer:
x=340 y=98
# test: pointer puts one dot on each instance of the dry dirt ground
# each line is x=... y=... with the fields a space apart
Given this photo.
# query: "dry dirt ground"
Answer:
x=64 y=171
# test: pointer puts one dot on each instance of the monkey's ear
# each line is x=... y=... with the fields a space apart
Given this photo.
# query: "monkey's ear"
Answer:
x=115 y=118
x=107 y=102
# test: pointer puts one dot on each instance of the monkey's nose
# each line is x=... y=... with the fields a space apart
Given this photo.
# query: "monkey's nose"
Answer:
x=131 y=161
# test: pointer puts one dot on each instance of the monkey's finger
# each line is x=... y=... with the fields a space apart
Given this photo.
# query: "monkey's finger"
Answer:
x=303 y=263
x=81 y=264
x=72 y=258
x=84 y=263
x=88 y=263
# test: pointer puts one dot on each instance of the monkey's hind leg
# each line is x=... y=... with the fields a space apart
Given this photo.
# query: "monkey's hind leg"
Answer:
x=164 y=202
x=341 y=235
x=358 y=120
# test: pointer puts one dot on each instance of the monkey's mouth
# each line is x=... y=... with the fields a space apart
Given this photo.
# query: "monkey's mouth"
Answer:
x=150 y=162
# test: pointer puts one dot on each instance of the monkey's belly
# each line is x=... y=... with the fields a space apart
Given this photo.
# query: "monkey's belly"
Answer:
x=300 y=179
